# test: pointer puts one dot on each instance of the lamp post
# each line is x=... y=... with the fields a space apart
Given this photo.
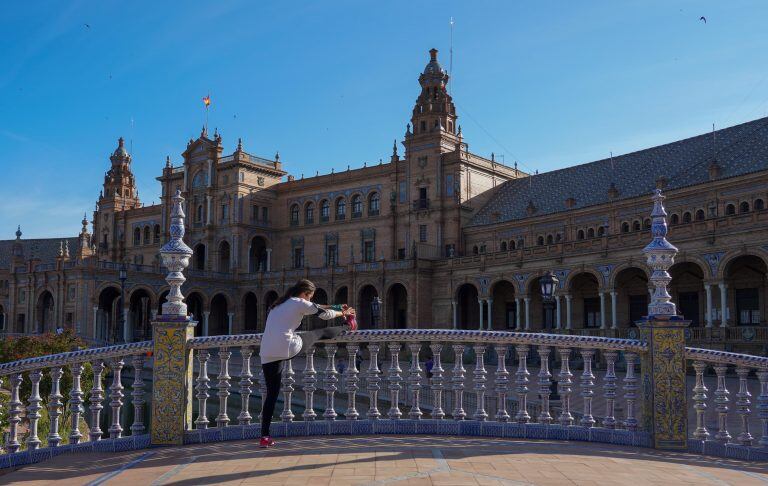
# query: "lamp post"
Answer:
x=549 y=285
x=375 y=311
x=123 y=276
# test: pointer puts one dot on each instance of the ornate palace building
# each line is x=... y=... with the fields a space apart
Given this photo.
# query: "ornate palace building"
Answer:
x=444 y=237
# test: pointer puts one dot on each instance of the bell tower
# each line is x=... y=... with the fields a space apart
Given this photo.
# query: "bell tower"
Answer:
x=434 y=112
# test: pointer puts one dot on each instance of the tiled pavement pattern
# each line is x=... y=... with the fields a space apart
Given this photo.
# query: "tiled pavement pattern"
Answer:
x=343 y=461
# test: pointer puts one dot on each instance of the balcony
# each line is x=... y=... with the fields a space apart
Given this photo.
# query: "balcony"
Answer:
x=420 y=204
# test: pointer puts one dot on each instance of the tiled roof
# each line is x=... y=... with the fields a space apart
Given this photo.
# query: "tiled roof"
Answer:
x=740 y=149
x=45 y=249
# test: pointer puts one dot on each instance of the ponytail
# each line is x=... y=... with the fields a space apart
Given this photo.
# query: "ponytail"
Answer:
x=295 y=290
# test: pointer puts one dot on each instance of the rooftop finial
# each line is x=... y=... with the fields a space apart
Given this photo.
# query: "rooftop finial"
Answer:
x=66 y=249
x=394 y=148
x=61 y=248
x=168 y=161
x=661 y=256
x=175 y=255
x=18 y=232
x=239 y=144
x=277 y=156
x=433 y=54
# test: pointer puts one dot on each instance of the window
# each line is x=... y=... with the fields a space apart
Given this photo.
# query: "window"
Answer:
x=558 y=238
x=759 y=205
x=200 y=179
x=199 y=214
x=265 y=214
x=295 y=215
x=242 y=176
x=475 y=250
x=636 y=226
x=341 y=208
x=254 y=213
x=332 y=256
x=402 y=192
x=309 y=213
x=601 y=231
x=747 y=307
x=550 y=240
x=401 y=253
x=592 y=312
x=449 y=185
x=580 y=235
x=146 y=235
x=224 y=213
x=136 y=237
x=450 y=250
x=482 y=248
x=512 y=245
x=638 y=307
x=373 y=204
x=675 y=219
x=591 y=233
x=687 y=217
x=357 y=206
x=369 y=251
x=510 y=316
x=325 y=210
x=423 y=233
x=298 y=257
x=647 y=223
x=744 y=207
x=730 y=210
x=700 y=215
x=520 y=244
x=503 y=246
x=625 y=227
x=423 y=126
x=157 y=233
x=540 y=241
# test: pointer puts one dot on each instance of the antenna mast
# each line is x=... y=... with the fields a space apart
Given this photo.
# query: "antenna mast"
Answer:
x=450 y=65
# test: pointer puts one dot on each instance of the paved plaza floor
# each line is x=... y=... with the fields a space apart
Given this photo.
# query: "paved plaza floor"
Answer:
x=396 y=460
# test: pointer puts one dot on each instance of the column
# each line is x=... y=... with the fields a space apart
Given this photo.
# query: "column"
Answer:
x=95 y=320
x=518 y=311
x=126 y=326
x=708 y=290
x=614 y=324
x=481 y=302
x=557 y=312
x=208 y=210
x=210 y=172
x=527 y=313
x=568 y=306
x=454 y=307
x=490 y=314
x=231 y=316
x=206 y=314
x=723 y=304
x=269 y=259
x=602 y=310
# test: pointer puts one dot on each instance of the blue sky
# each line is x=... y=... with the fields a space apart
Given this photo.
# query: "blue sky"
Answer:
x=332 y=83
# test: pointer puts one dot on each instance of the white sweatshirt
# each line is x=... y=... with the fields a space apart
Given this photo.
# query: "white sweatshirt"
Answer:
x=279 y=340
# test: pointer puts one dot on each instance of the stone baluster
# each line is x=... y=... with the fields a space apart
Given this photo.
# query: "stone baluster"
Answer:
x=501 y=383
x=97 y=397
x=587 y=388
x=76 y=403
x=54 y=407
x=721 y=399
x=244 y=418
x=374 y=382
x=762 y=405
x=414 y=379
x=330 y=381
x=544 y=385
x=395 y=381
x=700 y=401
x=564 y=387
x=630 y=391
x=437 y=381
x=222 y=419
x=287 y=388
x=480 y=378
x=351 y=378
x=521 y=380
x=33 y=410
x=137 y=393
x=457 y=381
x=201 y=422
x=14 y=412
x=742 y=407
x=609 y=389
x=309 y=381
x=116 y=395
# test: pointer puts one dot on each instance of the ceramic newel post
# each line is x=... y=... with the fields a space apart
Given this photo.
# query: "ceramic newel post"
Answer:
x=171 y=331
x=663 y=367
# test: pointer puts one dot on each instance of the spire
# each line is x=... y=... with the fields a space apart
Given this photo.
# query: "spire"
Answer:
x=84 y=222
x=661 y=256
x=168 y=161
x=239 y=144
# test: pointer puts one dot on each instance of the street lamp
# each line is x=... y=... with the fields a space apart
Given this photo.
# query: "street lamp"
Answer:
x=375 y=311
x=123 y=276
x=548 y=285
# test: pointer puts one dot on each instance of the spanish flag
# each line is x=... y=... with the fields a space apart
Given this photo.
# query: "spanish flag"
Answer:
x=207 y=101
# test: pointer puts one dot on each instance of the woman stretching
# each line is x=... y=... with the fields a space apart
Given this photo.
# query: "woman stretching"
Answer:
x=279 y=341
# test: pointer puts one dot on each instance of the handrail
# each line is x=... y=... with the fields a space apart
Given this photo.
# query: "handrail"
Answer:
x=725 y=357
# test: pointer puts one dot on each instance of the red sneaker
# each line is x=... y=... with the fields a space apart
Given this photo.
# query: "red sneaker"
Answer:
x=266 y=442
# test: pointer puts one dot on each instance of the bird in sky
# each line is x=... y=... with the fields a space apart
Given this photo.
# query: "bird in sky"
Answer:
x=703 y=18
x=87 y=26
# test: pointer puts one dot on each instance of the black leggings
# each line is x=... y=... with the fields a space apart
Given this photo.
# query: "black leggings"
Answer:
x=273 y=372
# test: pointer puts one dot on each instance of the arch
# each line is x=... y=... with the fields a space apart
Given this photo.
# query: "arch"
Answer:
x=250 y=312
x=374 y=203
x=325 y=210
x=743 y=207
x=45 y=312
x=647 y=223
x=625 y=227
x=674 y=219
x=294 y=214
x=700 y=216
x=357 y=205
x=730 y=210
x=199 y=179
x=590 y=232
x=746 y=278
x=396 y=306
x=512 y=245
x=342 y=296
x=687 y=291
x=631 y=286
x=366 y=294
x=218 y=321
x=309 y=213
x=162 y=300
x=601 y=231
x=572 y=275
x=108 y=314
x=540 y=240
x=584 y=287
x=340 y=208
x=224 y=256
x=320 y=297
x=687 y=217
x=503 y=246
x=636 y=226
x=257 y=254
x=136 y=236
x=467 y=307
x=550 y=240
x=139 y=315
x=198 y=257
x=269 y=299
x=504 y=315
x=759 y=204
x=147 y=235
x=580 y=234
x=195 y=305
